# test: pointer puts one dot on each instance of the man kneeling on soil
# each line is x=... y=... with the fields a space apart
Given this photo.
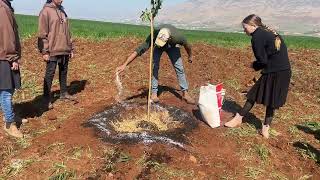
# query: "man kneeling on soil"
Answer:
x=167 y=39
x=10 y=54
x=56 y=46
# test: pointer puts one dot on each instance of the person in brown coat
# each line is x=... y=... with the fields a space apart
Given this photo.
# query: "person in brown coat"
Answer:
x=10 y=54
x=55 y=45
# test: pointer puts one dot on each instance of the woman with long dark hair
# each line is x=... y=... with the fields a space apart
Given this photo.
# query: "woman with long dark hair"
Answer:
x=272 y=60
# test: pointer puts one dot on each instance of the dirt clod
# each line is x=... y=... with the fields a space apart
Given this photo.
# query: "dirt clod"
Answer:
x=193 y=159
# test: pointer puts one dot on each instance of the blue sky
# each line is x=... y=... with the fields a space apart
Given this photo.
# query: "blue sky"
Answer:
x=105 y=10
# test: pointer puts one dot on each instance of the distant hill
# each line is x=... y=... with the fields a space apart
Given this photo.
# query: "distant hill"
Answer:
x=288 y=16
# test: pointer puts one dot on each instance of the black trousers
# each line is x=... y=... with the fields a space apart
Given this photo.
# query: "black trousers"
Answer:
x=62 y=61
x=248 y=106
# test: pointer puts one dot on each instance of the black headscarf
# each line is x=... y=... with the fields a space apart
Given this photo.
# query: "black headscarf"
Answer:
x=8 y=3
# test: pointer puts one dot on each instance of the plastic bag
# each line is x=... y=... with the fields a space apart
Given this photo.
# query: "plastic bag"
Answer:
x=210 y=104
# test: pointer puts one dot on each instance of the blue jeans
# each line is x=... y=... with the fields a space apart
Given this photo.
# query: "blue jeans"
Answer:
x=176 y=60
x=6 y=104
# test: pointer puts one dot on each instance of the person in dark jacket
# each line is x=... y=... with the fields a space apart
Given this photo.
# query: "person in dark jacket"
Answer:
x=10 y=55
x=56 y=47
x=167 y=39
x=272 y=60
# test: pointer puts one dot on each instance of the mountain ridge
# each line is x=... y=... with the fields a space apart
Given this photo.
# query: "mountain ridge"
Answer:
x=297 y=17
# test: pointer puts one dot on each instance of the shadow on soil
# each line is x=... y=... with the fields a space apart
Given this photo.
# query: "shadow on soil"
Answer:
x=151 y=162
x=311 y=128
x=230 y=106
x=307 y=149
x=37 y=107
x=162 y=89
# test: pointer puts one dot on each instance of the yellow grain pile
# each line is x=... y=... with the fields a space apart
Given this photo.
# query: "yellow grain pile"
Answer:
x=160 y=120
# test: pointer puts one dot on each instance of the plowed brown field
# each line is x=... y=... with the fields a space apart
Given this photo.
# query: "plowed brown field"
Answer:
x=58 y=142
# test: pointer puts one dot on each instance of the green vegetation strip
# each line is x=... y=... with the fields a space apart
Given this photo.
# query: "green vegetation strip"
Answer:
x=95 y=30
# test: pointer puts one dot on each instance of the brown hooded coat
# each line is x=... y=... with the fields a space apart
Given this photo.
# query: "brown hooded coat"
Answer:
x=54 y=31
x=10 y=48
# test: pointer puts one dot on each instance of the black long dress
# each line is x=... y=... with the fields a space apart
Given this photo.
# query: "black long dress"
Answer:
x=9 y=79
x=272 y=87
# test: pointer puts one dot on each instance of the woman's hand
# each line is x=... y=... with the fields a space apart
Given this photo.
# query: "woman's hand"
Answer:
x=256 y=65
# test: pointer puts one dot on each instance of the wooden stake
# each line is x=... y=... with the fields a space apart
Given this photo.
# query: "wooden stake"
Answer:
x=151 y=63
